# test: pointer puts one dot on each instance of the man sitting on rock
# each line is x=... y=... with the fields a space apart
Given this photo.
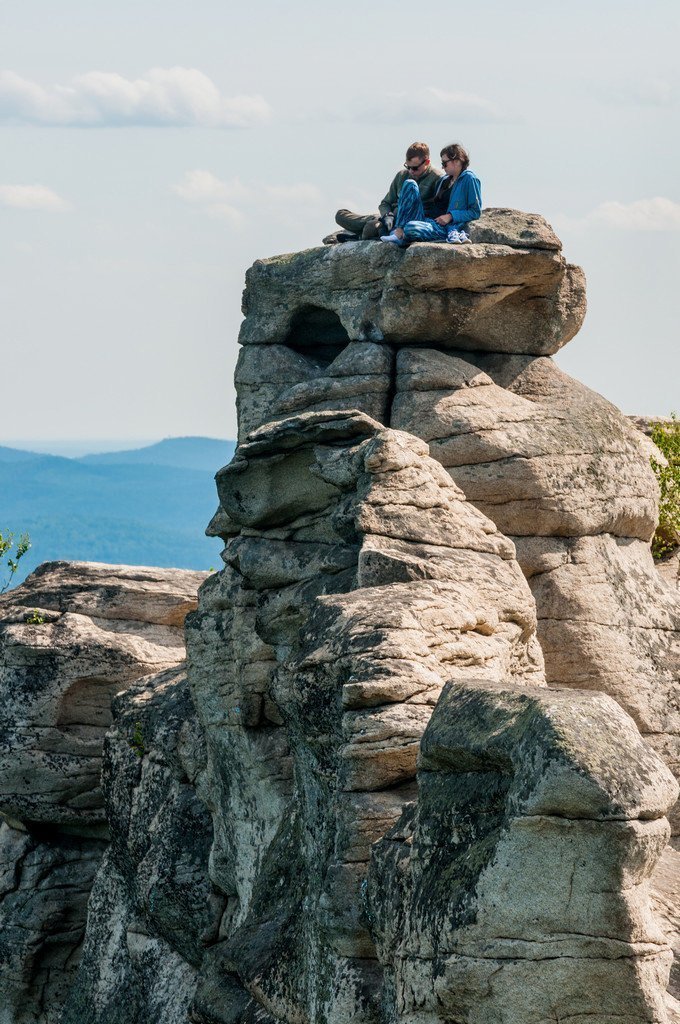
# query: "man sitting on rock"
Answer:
x=459 y=199
x=366 y=226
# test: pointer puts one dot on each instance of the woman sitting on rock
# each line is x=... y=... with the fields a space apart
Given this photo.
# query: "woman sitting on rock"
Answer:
x=459 y=195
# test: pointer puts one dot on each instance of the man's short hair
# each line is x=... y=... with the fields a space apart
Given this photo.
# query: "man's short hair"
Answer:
x=420 y=149
x=456 y=152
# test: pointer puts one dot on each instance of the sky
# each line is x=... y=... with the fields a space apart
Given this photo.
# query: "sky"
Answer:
x=151 y=151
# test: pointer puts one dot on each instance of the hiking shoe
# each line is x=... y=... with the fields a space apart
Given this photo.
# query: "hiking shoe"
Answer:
x=340 y=236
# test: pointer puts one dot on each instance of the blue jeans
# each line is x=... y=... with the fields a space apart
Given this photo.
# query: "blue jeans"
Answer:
x=411 y=217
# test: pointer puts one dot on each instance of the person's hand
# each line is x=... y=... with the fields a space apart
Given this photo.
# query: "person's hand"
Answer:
x=445 y=219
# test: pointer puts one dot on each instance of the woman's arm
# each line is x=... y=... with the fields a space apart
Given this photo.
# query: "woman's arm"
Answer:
x=465 y=203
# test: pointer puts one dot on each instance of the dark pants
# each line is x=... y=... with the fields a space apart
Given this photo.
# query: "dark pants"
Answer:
x=364 y=225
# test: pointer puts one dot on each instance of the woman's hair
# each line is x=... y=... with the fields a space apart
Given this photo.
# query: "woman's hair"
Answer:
x=420 y=149
x=456 y=151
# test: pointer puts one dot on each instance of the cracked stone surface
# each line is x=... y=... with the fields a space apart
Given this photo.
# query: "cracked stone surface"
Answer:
x=553 y=464
x=92 y=630
x=509 y=291
x=551 y=781
x=152 y=910
x=102 y=627
x=361 y=580
x=44 y=887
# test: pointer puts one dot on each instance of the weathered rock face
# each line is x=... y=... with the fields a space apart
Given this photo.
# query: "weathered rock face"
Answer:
x=555 y=466
x=360 y=582
x=152 y=909
x=666 y=904
x=511 y=292
x=364 y=803
x=552 y=464
x=560 y=470
x=551 y=782
x=44 y=887
x=70 y=637
x=100 y=627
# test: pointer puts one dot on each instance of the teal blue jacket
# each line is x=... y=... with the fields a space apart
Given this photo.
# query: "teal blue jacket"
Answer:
x=465 y=200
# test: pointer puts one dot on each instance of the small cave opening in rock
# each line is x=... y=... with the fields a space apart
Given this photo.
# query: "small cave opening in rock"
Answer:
x=317 y=334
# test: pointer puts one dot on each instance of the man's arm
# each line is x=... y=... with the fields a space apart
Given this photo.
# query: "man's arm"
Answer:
x=389 y=203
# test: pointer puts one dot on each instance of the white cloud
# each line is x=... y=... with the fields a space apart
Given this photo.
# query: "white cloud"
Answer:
x=657 y=214
x=162 y=97
x=429 y=104
x=31 y=197
x=233 y=200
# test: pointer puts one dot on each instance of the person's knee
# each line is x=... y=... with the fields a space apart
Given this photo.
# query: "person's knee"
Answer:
x=410 y=186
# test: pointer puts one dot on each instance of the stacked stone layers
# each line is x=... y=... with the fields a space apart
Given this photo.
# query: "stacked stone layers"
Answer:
x=553 y=464
x=70 y=637
x=516 y=888
x=358 y=582
x=364 y=804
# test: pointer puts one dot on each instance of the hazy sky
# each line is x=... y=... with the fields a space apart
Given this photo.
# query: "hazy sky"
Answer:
x=150 y=150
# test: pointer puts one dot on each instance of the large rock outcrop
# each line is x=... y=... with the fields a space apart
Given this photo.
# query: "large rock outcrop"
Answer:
x=513 y=293
x=554 y=465
x=71 y=636
x=403 y=778
x=516 y=888
x=358 y=582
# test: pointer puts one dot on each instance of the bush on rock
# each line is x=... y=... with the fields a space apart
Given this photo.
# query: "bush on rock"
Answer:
x=666 y=436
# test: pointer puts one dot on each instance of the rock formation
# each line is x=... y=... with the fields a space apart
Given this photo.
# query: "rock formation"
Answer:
x=152 y=909
x=71 y=636
x=403 y=777
x=555 y=466
x=516 y=889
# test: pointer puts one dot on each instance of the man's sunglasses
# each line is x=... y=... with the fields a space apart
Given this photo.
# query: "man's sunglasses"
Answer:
x=415 y=167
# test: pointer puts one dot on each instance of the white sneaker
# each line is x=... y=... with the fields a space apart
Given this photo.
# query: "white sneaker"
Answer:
x=390 y=238
x=453 y=237
x=463 y=237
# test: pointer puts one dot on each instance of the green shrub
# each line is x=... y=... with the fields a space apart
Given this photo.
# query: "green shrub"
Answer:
x=136 y=741
x=666 y=436
x=12 y=562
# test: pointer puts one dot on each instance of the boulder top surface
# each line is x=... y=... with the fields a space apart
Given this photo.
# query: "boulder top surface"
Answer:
x=509 y=289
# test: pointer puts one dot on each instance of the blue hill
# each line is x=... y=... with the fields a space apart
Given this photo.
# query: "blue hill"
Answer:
x=184 y=452
x=15 y=455
x=127 y=508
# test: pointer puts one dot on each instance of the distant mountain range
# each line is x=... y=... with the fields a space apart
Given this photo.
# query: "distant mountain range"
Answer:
x=145 y=506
